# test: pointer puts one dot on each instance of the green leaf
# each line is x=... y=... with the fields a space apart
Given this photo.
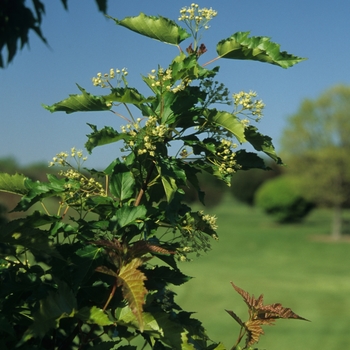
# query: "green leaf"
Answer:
x=174 y=276
x=228 y=121
x=249 y=160
x=39 y=190
x=127 y=95
x=131 y=279
x=187 y=67
x=102 y=137
x=57 y=305
x=80 y=103
x=15 y=184
x=169 y=185
x=94 y=315
x=261 y=143
x=171 y=176
x=122 y=182
x=84 y=261
x=159 y=28
x=240 y=46
x=23 y=233
x=128 y=215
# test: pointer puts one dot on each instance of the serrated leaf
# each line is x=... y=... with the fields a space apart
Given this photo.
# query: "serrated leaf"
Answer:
x=170 y=175
x=228 y=121
x=132 y=281
x=102 y=137
x=128 y=215
x=80 y=103
x=127 y=95
x=260 y=314
x=122 y=182
x=260 y=48
x=21 y=233
x=109 y=345
x=39 y=190
x=187 y=67
x=84 y=261
x=13 y=183
x=57 y=305
x=94 y=315
x=261 y=143
x=249 y=160
x=159 y=325
x=175 y=277
x=159 y=28
x=170 y=187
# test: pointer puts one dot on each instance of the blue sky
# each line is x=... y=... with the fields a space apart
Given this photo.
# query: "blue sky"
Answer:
x=83 y=42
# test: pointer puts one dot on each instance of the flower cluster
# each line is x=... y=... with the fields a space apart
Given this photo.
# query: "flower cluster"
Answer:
x=210 y=220
x=199 y=16
x=154 y=133
x=196 y=230
x=103 y=80
x=224 y=157
x=81 y=186
x=245 y=104
x=78 y=185
x=61 y=158
x=163 y=80
x=196 y=19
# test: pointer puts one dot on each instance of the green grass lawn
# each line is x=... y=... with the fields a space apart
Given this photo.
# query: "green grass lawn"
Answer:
x=285 y=263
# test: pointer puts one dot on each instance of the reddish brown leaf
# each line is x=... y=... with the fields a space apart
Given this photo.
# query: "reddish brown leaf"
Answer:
x=249 y=300
x=254 y=331
x=267 y=313
x=260 y=314
x=232 y=314
x=111 y=244
x=106 y=270
x=143 y=247
x=131 y=279
x=274 y=311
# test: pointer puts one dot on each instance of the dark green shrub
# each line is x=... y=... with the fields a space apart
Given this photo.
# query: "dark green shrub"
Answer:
x=244 y=184
x=281 y=199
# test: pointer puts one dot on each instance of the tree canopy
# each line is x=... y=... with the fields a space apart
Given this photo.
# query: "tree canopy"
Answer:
x=316 y=147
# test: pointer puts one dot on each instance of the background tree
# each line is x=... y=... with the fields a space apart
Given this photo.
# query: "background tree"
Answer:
x=316 y=147
x=244 y=184
x=281 y=198
x=16 y=21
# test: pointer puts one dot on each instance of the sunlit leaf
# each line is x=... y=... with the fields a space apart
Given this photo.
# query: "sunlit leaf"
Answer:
x=94 y=315
x=127 y=95
x=187 y=67
x=80 y=103
x=132 y=281
x=228 y=121
x=40 y=190
x=260 y=314
x=241 y=46
x=254 y=331
x=171 y=176
x=128 y=215
x=122 y=182
x=102 y=137
x=160 y=326
x=261 y=142
x=13 y=183
x=159 y=28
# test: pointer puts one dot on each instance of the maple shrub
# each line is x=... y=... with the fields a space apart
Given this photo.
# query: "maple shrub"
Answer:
x=97 y=273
